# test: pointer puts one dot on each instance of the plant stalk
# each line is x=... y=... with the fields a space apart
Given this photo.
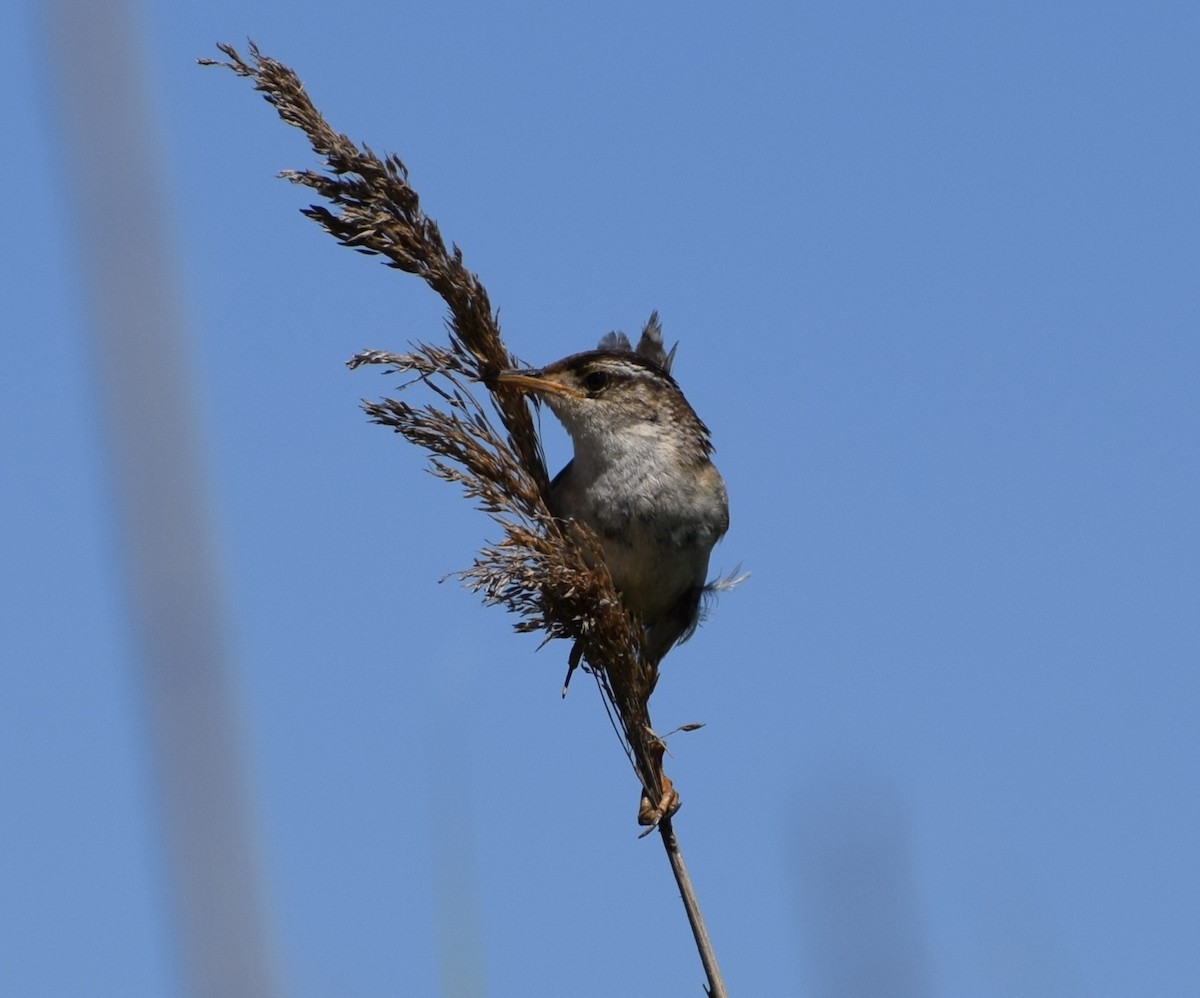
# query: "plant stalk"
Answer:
x=708 y=957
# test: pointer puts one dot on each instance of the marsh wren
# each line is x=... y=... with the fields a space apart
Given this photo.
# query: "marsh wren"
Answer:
x=642 y=477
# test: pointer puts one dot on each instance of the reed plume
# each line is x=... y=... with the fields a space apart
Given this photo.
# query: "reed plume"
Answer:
x=482 y=437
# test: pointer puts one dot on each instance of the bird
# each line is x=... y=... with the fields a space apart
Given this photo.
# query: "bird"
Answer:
x=641 y=478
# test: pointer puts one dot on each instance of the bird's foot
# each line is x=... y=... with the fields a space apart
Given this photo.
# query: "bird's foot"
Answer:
x=650 y=813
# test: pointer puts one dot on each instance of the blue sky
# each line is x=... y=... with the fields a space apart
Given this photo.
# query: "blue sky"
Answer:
x=933 y=270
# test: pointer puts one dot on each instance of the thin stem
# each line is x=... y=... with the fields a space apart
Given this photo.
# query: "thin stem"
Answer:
x=716 y=986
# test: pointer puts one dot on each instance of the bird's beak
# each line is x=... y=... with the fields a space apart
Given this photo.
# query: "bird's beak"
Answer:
x=536 y=381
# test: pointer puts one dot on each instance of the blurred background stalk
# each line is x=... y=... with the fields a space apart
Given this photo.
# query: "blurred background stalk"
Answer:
x=112 y=171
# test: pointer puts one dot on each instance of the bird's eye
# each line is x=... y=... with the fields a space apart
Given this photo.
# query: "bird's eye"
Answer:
x=595 y=381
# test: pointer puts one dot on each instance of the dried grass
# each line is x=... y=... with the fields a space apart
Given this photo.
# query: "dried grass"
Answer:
x=550 y=576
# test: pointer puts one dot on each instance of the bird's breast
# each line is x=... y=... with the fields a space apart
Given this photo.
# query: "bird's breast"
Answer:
x=657 y=524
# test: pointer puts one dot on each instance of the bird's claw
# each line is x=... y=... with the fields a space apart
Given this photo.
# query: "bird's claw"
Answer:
x=651 y=813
